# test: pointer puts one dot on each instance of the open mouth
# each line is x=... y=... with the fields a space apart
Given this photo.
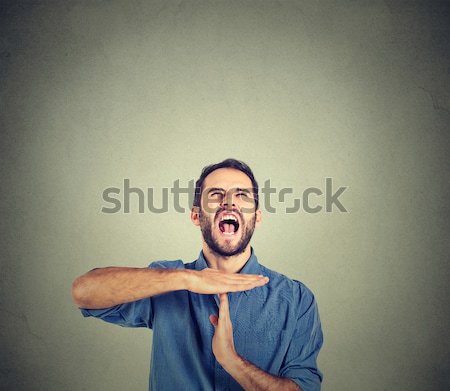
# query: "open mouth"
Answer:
x=228 y=224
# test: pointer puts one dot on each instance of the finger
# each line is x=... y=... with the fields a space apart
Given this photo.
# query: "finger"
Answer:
x=223 y=309
x=245 y=277
x=234 y=276
x=237 y=280
x=258 y=282
x=214 y=320
x=236 y=287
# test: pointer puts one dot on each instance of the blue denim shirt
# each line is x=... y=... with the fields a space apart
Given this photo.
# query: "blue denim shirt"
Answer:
x=276 y=327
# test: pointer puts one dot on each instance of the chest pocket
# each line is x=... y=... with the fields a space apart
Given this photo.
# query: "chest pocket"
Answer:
x=268 y=323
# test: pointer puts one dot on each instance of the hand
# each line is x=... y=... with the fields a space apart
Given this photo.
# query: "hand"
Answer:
x=212 y=281
x=222 y=342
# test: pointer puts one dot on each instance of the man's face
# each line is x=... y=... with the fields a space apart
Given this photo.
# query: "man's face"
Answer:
x=227 y=215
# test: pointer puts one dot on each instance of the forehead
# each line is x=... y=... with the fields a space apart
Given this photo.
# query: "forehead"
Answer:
x=227 y=178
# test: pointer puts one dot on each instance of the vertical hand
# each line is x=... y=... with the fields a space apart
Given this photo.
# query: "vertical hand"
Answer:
x=222 y=342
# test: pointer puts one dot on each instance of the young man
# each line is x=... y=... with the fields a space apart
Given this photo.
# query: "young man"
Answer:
x=224 y=321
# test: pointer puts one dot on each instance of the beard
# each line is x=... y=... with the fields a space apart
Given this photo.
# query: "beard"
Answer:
x=226 y=249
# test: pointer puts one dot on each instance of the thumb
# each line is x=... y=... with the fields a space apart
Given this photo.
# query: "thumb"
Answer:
x=213 y=319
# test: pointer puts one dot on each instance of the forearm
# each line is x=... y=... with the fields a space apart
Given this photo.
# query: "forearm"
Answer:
x=106 y=287
x=252 y=378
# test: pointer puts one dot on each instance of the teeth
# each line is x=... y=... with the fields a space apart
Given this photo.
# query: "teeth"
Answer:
x=228 y=217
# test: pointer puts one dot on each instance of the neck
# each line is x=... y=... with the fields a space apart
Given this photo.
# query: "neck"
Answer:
x=232 y=264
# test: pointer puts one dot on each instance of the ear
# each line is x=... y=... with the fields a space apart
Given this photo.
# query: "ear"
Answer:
x=195 y=217
x=258 y=217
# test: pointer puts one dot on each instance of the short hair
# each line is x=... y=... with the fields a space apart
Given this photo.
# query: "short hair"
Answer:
x=227 y=163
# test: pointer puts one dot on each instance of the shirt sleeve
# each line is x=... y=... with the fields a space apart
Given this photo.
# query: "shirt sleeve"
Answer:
x=300 y=363
x=137 y=313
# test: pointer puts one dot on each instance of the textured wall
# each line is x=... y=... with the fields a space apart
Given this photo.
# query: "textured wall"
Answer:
x=93 y=92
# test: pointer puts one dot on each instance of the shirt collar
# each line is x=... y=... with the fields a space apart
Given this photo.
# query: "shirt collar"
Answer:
x=251 y=266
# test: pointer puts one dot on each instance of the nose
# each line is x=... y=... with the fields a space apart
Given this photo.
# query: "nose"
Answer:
x=228 y=201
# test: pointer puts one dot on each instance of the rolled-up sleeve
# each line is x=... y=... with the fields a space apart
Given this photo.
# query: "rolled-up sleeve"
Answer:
x=135 y=314
x=300 y=363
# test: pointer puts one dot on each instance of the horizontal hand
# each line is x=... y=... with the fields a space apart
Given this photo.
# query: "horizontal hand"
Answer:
x=212 y=281
x=109 y=286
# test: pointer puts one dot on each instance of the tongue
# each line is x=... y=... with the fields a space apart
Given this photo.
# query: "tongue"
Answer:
x=228 y=228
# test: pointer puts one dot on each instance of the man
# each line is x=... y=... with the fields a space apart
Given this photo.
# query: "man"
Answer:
x=224 y=321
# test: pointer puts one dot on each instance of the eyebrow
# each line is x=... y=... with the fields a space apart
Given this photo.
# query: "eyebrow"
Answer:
x=210 y=190
x=243 y=190
x=223 y=190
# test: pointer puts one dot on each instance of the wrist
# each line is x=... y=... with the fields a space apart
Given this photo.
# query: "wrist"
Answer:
x=231 y=363
x=186 y=279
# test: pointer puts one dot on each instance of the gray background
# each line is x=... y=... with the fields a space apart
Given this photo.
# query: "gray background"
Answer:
x=93 y=92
